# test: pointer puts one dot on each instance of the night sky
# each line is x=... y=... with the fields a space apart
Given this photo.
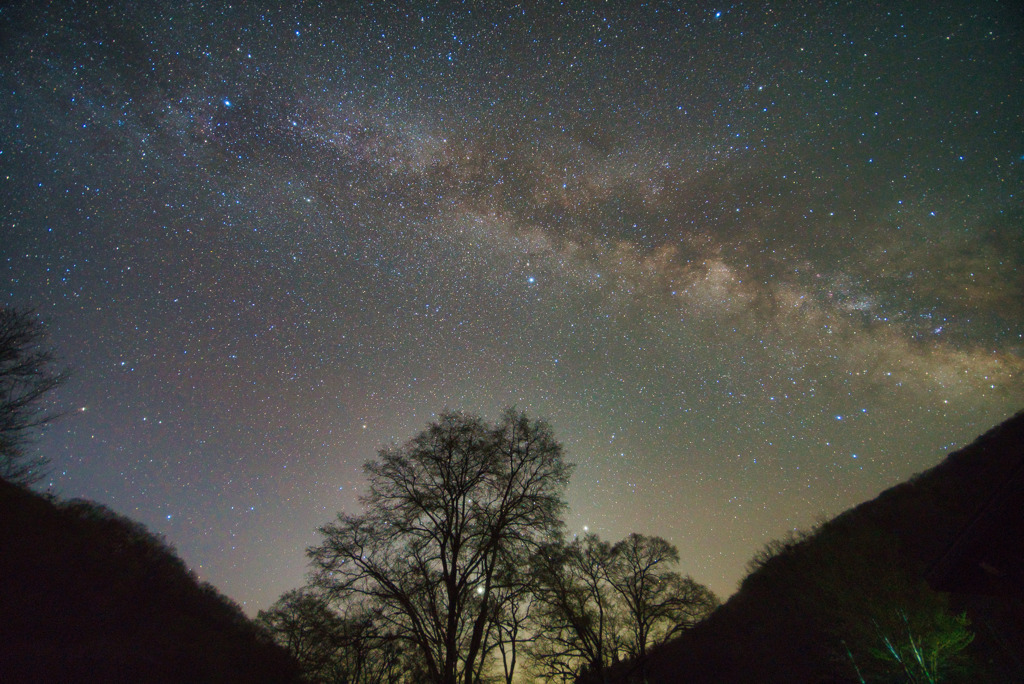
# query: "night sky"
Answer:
x=753 y=262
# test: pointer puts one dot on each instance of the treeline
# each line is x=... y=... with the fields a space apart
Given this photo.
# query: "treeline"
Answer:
x=458 y=571
x=921 y=584
x=843 y=603
x=88 y=595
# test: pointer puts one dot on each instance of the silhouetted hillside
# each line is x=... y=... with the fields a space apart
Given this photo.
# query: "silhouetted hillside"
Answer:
x=900 y=571
x=87 y=595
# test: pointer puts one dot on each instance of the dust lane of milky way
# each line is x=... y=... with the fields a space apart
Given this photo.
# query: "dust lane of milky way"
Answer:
x=753 y=263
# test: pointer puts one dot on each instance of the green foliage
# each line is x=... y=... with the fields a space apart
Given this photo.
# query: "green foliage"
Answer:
x=927 y=651
x=853 y=584
x=850 y=601
x=881 y=608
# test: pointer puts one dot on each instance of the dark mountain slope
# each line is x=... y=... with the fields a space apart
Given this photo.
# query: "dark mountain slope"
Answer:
x=902 y=567
x=87 y=595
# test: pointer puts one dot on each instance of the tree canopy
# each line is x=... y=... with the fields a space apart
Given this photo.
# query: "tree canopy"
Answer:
x=599 y=603
x=449 y=518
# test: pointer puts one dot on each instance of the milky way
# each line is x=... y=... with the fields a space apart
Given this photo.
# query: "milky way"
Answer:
x=753 y=264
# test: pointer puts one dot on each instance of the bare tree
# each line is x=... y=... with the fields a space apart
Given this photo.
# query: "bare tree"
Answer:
x=576 y=619
x=304 y=624
x=26 y=376
x=513 y=602
x=333 y=647
x=442 y=513
x=658 y=602
x=598 y=602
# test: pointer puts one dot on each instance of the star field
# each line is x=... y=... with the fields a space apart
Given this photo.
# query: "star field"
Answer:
x=753 y=263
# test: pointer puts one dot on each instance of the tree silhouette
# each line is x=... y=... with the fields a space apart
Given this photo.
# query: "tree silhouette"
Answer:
x=26 y=376
x=447 y=515
x=576 y=619
x=598 y=602
x=512 y=606
x=304 y=624
x=658 y=602
x=331 y=647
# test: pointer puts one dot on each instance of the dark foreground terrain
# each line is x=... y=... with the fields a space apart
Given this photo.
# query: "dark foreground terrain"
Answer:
x=901 y=570
x=87 y=595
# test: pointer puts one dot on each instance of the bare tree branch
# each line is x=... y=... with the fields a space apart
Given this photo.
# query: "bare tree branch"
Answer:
x=444 y=515
x=27 y=375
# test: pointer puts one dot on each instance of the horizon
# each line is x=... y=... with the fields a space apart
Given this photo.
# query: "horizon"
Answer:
x=754 y=266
